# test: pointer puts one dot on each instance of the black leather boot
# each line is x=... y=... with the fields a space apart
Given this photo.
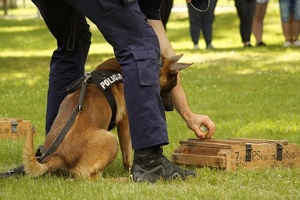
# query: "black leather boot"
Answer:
x=151 y=165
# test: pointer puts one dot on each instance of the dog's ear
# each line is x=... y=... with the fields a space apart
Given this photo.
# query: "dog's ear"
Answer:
x=180 y=66
x=175 y=58
x=176 y=67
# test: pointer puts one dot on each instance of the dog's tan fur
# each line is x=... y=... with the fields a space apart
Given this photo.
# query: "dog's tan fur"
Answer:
x=88 y=147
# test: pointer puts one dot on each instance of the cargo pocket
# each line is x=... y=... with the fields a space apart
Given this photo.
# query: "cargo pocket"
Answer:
x=148 y=69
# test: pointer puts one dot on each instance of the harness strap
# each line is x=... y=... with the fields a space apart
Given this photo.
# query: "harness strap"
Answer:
x=98 y=79
x=83 y=90
x=75 y=85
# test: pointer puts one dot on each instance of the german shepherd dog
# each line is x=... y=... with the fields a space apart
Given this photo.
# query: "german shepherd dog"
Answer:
x=88 y=147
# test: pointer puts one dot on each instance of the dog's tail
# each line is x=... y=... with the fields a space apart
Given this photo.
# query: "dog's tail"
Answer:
x=31 y=165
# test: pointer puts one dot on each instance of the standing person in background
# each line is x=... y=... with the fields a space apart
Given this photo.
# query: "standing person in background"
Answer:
x=245 y=10
x=258 y=21
x=290 y=19
x=165 y=11
x=201 y=17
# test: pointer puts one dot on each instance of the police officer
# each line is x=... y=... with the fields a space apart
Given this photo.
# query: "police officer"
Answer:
x=136 y=48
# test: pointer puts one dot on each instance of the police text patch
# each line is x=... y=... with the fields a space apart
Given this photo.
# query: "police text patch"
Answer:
x=108 y=81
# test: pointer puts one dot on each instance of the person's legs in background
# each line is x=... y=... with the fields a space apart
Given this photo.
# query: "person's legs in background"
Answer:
x=245 y=10
x=287 y=31
x=195 y=19
x=286 y=20
x=258 y=21
x=165 y=11
x=296 y=23
x=207 y=24
x=248 y=20
x=241 y=7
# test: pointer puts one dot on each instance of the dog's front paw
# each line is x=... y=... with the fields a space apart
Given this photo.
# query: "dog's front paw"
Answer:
x=127 y=164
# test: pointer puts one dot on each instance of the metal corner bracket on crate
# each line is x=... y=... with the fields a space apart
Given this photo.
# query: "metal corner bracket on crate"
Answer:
x=14 y=127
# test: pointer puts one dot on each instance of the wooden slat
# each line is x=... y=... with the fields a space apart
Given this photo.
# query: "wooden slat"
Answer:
x=190 y=159
x=206 y=144
x=216 y=141
x=251 y=140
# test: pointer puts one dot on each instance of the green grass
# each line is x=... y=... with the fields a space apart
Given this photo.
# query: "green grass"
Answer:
x=247 y=92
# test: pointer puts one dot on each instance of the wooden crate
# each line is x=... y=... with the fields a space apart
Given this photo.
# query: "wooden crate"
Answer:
x=237 y=152
x=14 y=127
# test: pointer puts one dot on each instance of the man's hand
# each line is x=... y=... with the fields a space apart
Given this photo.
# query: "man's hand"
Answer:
x=196 y=121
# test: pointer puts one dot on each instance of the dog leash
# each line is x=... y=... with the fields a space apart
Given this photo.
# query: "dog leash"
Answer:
x=70 y=121
x=61 y=136
x=14 y=171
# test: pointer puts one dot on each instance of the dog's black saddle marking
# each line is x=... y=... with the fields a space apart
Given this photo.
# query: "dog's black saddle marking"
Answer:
x=103 y=79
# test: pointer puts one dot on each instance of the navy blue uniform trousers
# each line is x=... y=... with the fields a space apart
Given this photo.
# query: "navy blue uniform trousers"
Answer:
x=135 y=46
x=245 y=10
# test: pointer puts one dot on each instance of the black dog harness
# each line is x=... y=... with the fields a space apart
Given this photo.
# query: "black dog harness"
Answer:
x=103 y=79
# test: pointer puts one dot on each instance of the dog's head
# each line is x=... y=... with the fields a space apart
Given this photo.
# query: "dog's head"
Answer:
x=168 y=78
